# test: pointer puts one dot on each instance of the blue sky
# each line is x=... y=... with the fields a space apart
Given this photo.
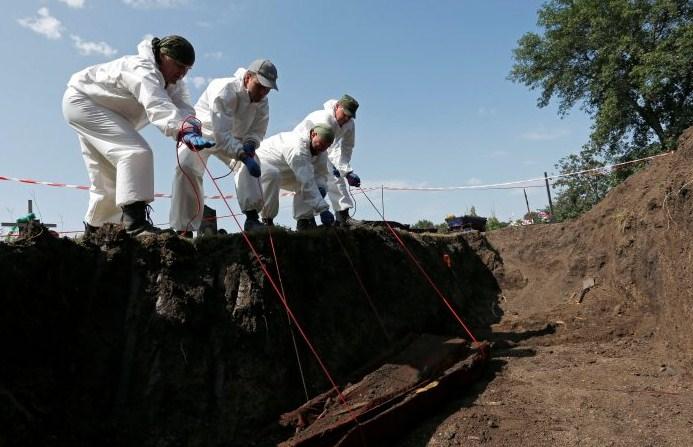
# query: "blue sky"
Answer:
x=436 y=107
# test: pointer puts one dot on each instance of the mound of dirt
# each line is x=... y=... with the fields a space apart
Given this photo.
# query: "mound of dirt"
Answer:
x=636 y=245
x=594 y=346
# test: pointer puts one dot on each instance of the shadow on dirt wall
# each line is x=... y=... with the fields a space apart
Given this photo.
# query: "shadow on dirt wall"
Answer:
x=166 y=342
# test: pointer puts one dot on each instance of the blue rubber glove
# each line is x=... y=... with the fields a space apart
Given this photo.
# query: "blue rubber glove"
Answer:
x=327 y=218
x=252 y=166
x=335 y=172
x=323 y=193
x=353 y=179
x=249 y=148
x=196 y=141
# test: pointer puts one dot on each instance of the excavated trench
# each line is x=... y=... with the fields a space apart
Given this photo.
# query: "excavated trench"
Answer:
x=164 y=342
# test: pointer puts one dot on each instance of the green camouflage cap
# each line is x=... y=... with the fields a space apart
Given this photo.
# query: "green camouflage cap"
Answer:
x=178 y=48
x=349 y=105
x=325 y=132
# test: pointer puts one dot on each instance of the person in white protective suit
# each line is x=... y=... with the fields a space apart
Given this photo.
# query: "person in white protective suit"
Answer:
x=107 y=104
x=234 y=113
x=340 y=115
x=295 y=161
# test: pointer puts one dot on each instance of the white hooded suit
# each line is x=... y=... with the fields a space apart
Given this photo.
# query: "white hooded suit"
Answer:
x=287 y=163
x=230 y=119
x=338 y=154
x=107 y=104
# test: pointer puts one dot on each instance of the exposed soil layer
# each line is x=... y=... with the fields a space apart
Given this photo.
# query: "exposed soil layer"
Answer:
x=167 y=342
x=608 y=366
x=164 y=342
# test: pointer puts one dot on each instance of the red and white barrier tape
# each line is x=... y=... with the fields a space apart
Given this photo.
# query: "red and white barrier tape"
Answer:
x=505 y=185
x=86 y=188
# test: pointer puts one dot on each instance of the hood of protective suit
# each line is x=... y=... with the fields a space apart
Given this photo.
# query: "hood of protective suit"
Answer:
x=144 y=49
x=329 y=105
x=239 y=73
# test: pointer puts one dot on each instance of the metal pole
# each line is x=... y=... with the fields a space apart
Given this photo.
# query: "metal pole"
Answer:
x=548 y=193
x=382 y=199
x=527 y=201
x=30 y=207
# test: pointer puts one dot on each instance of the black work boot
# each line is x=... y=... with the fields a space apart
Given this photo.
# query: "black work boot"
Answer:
x=186 y=234
x=268 y=221
x=306 y=224
x=89 y=229
x=252 y=221
x=136 y=220
x=344 y=219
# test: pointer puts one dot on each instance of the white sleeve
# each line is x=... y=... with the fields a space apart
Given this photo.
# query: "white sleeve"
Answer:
x=258 y=129
x=147 y=86
x=181 y=98
x=221 y=114
x=321 y=171
x=301 y=164
x=340 y=152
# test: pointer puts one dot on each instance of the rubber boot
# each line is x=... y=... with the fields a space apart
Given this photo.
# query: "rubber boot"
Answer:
x=344 y=219
x=306 y=224
x=136 y=220
x=252 y=221
x=268 y=221
x=89 y=229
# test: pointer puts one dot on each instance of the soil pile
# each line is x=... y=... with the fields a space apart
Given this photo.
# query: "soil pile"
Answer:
x=594 y=346
x=636 y=246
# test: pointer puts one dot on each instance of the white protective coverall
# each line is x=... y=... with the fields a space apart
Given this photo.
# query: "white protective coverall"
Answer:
x=107 y=104
x=287 y=163
x=338 y=154
x=230 y=119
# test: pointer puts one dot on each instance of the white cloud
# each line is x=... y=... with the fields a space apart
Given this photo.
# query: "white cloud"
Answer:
x=199 y=81
x=486 y=111
x=87 y=48
x=155 y=4
x=44 y=24
x=545 y=135
x=74 y=3
x=214 y=55
x=474 y=181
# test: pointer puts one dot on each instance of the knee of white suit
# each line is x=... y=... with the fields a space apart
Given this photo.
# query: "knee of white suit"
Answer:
x=248 y=190
x=135 y=176
x=271 y=182
x=338 y=192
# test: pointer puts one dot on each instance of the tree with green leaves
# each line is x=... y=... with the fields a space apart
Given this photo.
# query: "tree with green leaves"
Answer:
x=493 y=223
x=423 y=224
x=627 y=63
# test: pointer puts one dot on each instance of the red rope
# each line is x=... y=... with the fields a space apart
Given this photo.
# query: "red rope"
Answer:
x=179 y=142
x=423 y=272
x=291 y=329
x=363 y=287
x=280 y=294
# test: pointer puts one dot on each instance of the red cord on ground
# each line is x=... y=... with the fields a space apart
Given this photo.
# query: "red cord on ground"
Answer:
x=423 y=272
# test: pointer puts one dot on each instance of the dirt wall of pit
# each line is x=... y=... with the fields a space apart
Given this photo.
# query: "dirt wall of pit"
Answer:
x=164 y=342
x=637 y=246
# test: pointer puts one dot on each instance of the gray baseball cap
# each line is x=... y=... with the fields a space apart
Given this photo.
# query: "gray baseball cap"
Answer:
x=266 y=72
